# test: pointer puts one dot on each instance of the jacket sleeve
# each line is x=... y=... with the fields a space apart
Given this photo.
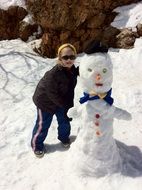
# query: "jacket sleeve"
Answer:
x=52 y=90
x=77 y=70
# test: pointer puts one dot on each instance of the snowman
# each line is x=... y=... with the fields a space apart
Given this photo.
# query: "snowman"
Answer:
x=96 y=152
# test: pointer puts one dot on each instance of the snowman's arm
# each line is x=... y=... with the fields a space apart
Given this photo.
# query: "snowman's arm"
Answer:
x=122 y=114
x=74 y=112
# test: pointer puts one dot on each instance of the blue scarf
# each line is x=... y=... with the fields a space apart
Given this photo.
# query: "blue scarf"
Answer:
x=107 y=98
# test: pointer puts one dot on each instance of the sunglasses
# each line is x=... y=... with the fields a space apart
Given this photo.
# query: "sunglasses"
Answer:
x=66 y=57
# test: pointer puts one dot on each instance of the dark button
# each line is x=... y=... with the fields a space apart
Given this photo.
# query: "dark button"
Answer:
x=97 y=123
x=98 y=133
x=97 y=116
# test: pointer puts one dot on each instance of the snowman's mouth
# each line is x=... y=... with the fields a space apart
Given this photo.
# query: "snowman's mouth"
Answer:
x=98 y=84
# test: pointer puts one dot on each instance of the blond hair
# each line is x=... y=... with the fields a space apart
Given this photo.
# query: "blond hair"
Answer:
x=64 y=46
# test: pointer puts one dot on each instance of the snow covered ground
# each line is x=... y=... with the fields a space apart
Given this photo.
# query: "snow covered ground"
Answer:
x=129 y=16
x=20 y=70
x=4 y=4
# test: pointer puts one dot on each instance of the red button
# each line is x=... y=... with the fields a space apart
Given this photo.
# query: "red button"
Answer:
x=97 y=123
x=98 y=133
x=97 y=116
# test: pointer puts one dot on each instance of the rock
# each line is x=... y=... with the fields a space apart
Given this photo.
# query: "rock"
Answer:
x=75 y=21
x=63 y=21
x=96 y=21
x=126 y=38
x=18 y=12
x=65 y=35
x=139 y=29
x=26 y=30
x=109 y=36
x=9 y=22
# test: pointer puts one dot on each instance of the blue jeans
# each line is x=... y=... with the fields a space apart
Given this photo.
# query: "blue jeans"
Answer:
x=42 y=125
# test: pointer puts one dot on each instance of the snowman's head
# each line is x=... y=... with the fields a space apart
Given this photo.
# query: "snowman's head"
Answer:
x=96 y=72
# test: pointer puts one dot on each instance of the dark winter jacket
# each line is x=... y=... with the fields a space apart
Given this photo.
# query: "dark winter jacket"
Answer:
x=56 y=89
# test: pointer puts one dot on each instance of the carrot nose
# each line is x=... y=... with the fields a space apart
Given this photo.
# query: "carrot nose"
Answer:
x=98 y=77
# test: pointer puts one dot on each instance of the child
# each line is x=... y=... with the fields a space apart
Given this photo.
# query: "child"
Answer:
x=54 y=95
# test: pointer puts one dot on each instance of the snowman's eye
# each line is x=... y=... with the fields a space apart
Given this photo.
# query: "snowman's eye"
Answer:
x=104 y=70
x=90 y=70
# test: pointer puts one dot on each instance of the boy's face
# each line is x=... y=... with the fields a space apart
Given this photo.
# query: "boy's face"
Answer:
x=67 y=57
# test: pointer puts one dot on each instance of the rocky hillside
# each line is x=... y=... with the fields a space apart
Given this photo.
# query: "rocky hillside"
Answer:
x=77 y=22
x=13 y=26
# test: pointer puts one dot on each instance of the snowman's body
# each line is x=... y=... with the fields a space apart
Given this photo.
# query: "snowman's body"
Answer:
x=96 y=152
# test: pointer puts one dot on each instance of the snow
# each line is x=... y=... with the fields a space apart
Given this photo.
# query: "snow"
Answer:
x=129 y=16
x=29 y=19
x=20 y=71
x=4 y=4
